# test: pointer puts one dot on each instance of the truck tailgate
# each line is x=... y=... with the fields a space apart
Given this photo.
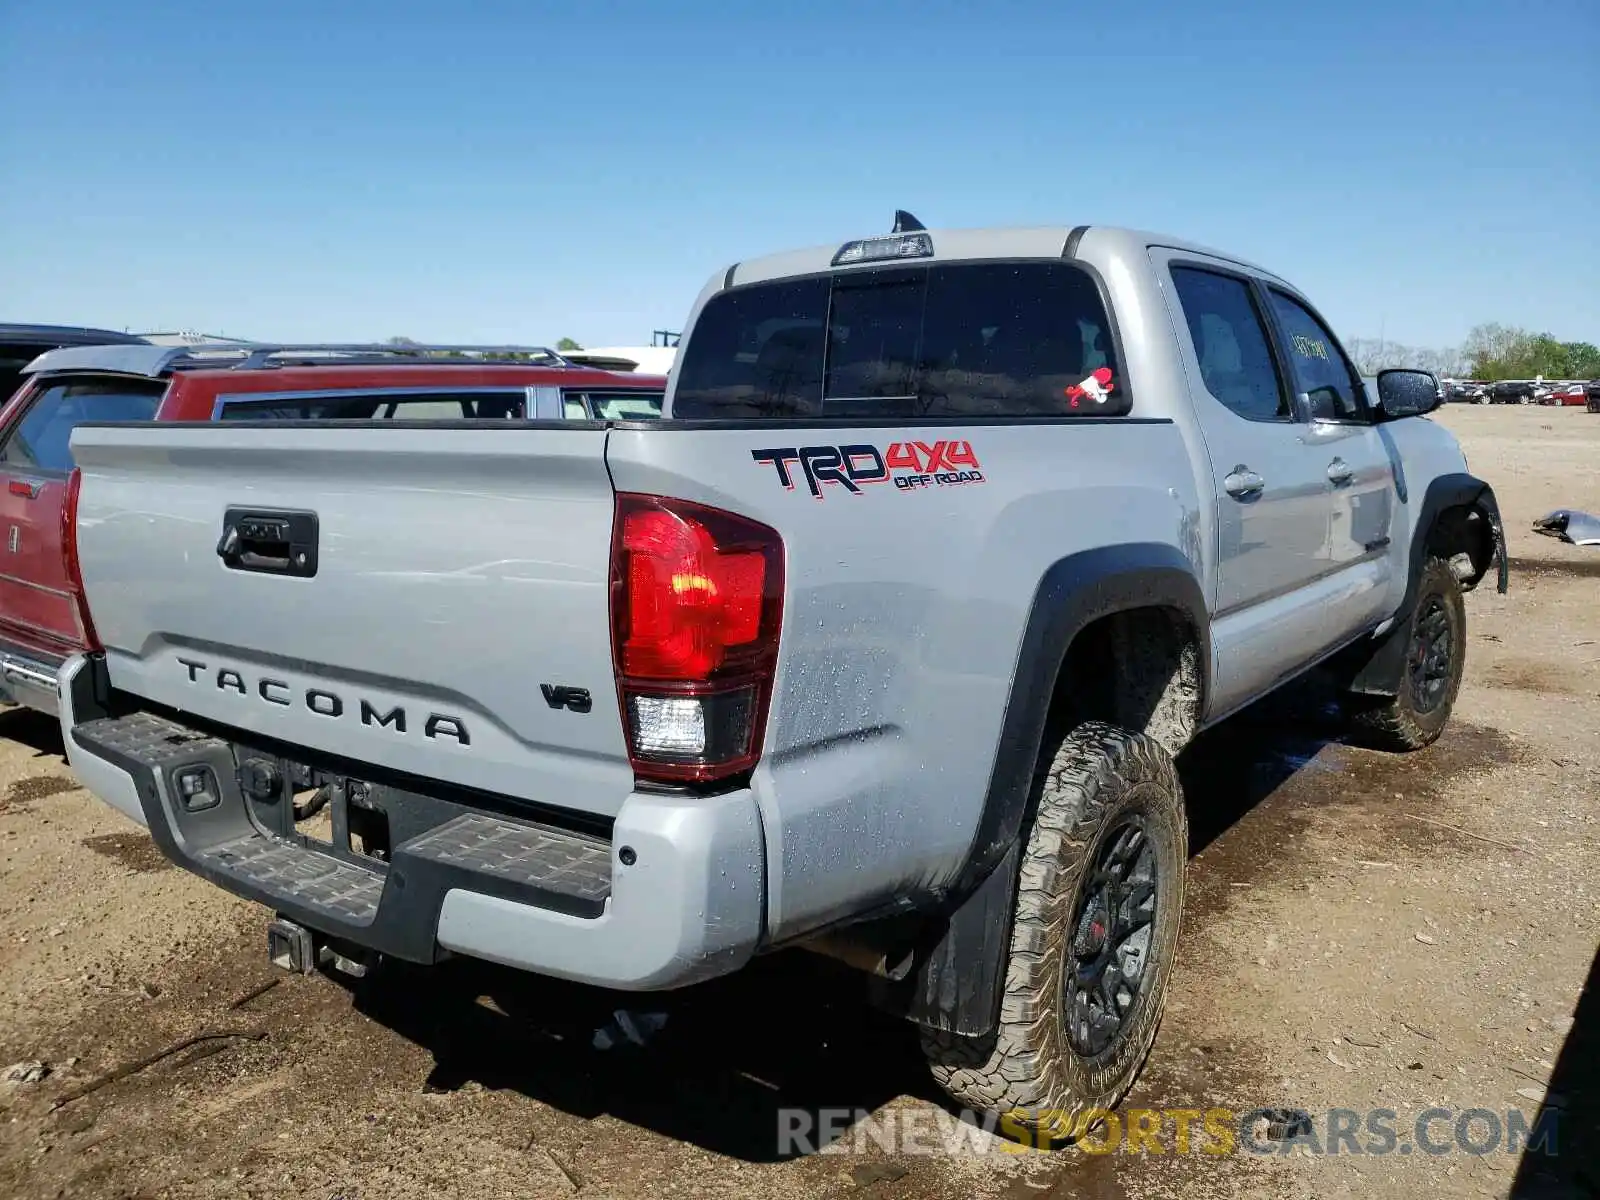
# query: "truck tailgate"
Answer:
x=461 y=581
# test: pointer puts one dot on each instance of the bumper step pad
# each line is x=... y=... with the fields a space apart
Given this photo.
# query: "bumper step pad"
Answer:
x=390 y=907
x=543 y=858
x=293 y=872
x=151 y=740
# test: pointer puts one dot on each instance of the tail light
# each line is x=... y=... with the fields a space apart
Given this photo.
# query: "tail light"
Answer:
x=696 y=606
x=69 y=557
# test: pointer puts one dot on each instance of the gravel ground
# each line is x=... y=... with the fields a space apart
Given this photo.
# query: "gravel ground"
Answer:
x=1365 y=932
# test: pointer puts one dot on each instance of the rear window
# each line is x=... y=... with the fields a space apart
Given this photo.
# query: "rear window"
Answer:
x=39 y=441
x=1028 y=339
x=380 y=406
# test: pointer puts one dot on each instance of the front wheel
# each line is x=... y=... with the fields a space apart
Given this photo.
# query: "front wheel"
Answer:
x=1099 y=903
x=1436 y=654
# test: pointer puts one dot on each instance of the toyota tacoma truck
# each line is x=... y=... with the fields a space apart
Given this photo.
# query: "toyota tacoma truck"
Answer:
x=880 y=643
x=42 y=617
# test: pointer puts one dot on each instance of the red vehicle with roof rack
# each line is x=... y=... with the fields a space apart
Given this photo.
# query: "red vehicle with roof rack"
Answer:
x=42 y=615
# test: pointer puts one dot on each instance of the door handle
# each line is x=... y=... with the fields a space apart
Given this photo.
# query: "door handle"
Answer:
x=1340 y=472
x=1242 y=482
x=269 y=542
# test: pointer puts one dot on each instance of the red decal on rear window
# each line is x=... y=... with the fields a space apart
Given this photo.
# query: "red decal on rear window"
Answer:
x=1097 y=387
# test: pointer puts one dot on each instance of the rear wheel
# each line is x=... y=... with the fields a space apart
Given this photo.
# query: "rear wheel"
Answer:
x=1098 y=909
x=1436 y=650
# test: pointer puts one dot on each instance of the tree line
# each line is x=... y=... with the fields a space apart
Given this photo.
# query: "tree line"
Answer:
x=1491 y=352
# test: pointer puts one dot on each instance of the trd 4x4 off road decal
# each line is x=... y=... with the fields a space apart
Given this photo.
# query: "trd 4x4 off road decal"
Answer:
x=908 y=465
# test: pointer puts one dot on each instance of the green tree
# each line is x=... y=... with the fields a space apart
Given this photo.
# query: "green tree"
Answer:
x=1583 y=360
x=1498 y=352
x=567 y=343
x=1549 y=357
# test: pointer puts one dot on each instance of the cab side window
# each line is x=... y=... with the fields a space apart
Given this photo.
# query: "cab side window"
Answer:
x=1317 y=366
x=1230 y=343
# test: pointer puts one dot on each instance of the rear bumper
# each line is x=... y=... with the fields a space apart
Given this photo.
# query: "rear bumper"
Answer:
x=28 y=677
x=674 y=896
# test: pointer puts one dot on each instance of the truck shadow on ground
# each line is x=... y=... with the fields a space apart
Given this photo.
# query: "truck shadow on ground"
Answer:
x=1572 y=1167
x=790 y=1035
x=35 y=730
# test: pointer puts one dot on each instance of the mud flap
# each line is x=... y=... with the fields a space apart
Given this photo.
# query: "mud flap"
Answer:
x=957 y=981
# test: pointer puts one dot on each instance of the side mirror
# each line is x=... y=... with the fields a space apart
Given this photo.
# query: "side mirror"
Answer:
x=1404 y=393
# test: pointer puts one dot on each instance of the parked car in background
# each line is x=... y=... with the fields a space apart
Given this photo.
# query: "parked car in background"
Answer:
x=42 y=618
x=1512 y=391
x=21 y=344
x=1466 y=391
x=1591 y=393
x=1563 y=394
x=31 y=606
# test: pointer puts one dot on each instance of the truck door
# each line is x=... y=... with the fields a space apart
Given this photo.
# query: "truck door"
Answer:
x=1271 y=489
x=1359 y=463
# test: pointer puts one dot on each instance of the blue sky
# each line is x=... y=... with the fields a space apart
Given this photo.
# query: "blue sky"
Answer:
x=523 y=171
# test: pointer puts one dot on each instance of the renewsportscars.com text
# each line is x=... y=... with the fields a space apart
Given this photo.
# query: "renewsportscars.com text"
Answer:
x=1210 y=1131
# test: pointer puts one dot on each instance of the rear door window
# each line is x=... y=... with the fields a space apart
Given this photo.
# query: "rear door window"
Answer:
x=1001 y=339
x=39 y=441
x=1230 y=343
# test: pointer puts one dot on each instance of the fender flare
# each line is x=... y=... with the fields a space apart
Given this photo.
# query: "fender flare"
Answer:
x=1457 y=490
x=1383 y=665
x=958 y=980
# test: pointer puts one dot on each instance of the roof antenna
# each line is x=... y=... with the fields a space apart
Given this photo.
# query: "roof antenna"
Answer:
x=904 y=222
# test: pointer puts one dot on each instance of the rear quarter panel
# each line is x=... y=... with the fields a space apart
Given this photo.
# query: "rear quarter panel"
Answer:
x=904 y=612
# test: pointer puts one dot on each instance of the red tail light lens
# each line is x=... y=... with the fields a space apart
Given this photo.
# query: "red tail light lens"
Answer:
x=696 y=607
x=69 y=556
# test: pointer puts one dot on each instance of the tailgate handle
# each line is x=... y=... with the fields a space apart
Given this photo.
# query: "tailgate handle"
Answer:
x=269 y=542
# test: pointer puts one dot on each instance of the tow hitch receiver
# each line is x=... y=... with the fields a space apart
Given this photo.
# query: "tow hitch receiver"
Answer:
x=295 y=948
x=290 y=947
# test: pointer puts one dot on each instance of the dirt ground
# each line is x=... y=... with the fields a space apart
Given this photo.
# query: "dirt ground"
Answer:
x=1364 y=932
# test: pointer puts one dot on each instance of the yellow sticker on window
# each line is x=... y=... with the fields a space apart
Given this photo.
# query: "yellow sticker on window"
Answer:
x=1310 y=347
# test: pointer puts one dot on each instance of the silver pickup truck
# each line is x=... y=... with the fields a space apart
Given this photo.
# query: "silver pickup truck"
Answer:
x=881 y=643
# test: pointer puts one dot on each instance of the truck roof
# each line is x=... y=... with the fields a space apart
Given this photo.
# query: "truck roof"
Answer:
x=1042 y=241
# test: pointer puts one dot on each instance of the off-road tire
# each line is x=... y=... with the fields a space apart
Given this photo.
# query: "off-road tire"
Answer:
x=1399 y=722
x=1028 y=1069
